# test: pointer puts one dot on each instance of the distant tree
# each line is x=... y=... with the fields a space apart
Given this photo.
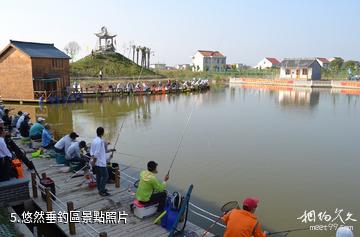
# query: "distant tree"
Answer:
x=133 y=50
x=336 y=64
x=351 y=64
x=72 y=49
x=137 y=54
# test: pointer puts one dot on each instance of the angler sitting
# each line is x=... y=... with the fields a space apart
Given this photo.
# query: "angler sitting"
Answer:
x=65 y=142
x=47 y=139
x=7 y=119
x=150 y=189
x=5 y=156
x=37 y=129
x=24 y=127
x=243 y=223
x=73 y=154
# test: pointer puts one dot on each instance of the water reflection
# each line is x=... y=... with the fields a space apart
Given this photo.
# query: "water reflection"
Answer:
x=241 y=141
x=299 y=97
x=291 y=97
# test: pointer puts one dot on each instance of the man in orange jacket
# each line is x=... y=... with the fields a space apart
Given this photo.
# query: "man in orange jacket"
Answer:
x=243 y=223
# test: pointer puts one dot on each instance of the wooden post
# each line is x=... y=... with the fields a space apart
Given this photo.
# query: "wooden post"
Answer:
x=70 y=208
x=48 y=199
x=103 y=234
x=117 y=177
x=34 y=185
x=43 y=175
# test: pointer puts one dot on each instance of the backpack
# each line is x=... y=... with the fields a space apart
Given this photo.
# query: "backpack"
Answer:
x=176 y=201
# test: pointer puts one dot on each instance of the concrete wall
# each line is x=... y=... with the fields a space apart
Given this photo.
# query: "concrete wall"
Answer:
x=16 y=76
x=14 y=190
x=198 y=60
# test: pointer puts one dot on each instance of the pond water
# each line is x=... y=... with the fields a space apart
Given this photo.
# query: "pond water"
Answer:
x=295 y=149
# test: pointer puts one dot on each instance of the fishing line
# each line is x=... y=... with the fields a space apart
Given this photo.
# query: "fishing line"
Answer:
x=181 y=138
x=225 y=209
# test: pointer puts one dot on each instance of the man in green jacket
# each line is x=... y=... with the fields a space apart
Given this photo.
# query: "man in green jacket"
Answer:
x=150 y=189
x=37 y=129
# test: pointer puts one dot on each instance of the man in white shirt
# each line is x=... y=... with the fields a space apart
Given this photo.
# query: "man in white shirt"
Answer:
x=2 y=110
x=21 y=119
x=74 y=153
x=98 y=153
x=65 y=142
x=5 y=155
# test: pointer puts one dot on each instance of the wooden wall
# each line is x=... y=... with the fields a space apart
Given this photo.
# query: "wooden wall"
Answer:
x=44 y=66
x=16 y=76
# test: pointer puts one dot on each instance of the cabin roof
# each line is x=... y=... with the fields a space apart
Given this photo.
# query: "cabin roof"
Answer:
x=208 y=53
x=297 y=62
x=39 y=50
x=324 y=60
x=273 y=61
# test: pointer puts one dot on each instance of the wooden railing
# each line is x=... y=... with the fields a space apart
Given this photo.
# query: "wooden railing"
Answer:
x=51 y=198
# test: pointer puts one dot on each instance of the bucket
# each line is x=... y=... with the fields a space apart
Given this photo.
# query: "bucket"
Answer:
x=47 y=183
x=60 y=158
x=16 y=164
x=92 y=184
x=169 y=219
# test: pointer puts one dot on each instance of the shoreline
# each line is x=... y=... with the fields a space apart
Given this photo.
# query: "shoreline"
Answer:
x=353 y=85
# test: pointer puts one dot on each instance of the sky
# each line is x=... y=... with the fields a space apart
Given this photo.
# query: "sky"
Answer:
x=245 y=31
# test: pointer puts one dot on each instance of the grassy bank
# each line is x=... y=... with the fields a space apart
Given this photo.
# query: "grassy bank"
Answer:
x=111 y=65
x=186 y=74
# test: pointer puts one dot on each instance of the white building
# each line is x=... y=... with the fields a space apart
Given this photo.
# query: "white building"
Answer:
x=158 y=66
x=268 y=63
x=205 y=60
x=182 y=66
x=241 y=66
x=324 y=62
x=300 y=69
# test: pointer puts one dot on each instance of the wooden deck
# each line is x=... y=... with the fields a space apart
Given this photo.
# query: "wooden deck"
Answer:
x=85 y=199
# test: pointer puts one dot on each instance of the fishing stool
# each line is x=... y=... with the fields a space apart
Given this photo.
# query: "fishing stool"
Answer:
x=142 y=210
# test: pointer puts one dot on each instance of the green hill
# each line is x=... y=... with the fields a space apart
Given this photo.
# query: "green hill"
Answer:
x=111 y=64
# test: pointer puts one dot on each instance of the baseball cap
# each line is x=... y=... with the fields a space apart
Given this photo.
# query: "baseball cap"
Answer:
x=40 y=119
x=151 y=165
x=251 y=202
x=26 y=114
x=73 y=135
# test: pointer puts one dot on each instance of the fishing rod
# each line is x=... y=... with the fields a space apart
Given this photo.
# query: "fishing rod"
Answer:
x=181 y=139
x=117 y=139
x=287 y=231
x=224 y=209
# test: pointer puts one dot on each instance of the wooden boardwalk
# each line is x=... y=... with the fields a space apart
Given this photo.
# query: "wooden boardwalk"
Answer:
x=85 y=199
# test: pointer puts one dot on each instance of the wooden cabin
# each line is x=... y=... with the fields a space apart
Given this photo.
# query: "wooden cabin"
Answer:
x=29 y=70
x=300 y=69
